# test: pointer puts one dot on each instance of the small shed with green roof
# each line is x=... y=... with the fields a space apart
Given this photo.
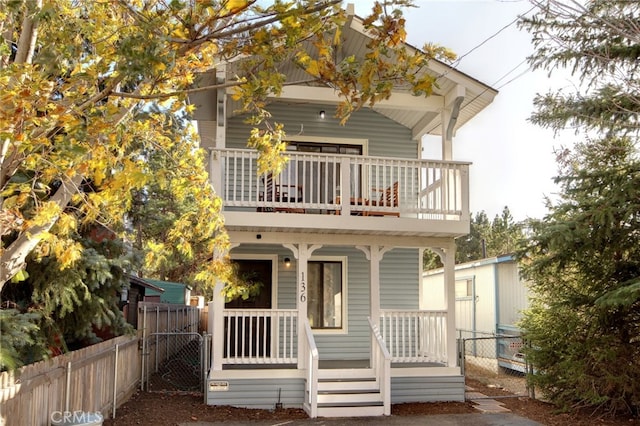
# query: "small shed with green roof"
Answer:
x=175 y=293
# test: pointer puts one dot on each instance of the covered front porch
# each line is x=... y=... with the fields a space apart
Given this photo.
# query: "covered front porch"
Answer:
x=387 y=356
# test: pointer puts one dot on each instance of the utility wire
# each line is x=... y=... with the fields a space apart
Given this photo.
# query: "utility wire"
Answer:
x=498 y=88
x=457 y=61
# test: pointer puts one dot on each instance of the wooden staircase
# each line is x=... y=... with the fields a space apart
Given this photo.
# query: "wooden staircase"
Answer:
x=349 y=393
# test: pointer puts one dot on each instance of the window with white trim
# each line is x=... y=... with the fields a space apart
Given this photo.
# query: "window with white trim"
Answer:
x=464 y=288
x=326 y=294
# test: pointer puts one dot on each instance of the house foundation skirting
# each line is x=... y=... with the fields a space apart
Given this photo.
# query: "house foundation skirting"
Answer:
x=269 y=388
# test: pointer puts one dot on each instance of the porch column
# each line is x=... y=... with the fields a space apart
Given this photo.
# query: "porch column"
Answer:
x=215 y=166
x=302 y=253
x=216 y=315
x=221 y=107
x=452 y=103
x=216 y=318
x=450 y=302
x=374 y=255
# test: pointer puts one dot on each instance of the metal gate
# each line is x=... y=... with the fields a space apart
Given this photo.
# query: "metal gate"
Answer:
x=174 y=362
x=498 y=361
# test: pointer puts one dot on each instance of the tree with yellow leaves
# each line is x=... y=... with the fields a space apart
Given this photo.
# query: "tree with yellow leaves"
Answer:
x=77 y=81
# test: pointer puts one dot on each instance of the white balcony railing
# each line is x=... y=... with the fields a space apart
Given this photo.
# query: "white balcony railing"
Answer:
x=415 y=336
x=257 y=336
x=344 y=184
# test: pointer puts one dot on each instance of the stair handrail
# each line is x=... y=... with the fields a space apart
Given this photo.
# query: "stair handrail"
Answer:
x=381 y=364
x=312 y=368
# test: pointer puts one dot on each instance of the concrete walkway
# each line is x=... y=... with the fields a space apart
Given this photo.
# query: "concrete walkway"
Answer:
x=483 y=403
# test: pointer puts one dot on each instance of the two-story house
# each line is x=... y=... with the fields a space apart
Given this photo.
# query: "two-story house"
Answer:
x=336 y=240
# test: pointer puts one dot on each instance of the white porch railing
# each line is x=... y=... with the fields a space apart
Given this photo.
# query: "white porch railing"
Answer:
x=344 y=184
x=269 y=336
x=381 y=364
x=257 y=336
x=415 y=336
x=310 y=353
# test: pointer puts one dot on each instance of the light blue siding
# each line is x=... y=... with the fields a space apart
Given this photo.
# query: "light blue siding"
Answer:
x=386 y=137
x=427 y=389
x=399 y=278
x=260 y=393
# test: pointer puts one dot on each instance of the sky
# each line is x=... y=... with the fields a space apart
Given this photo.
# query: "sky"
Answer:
x=513 y=160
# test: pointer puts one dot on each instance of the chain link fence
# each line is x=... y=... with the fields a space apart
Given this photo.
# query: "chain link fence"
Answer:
x=175 y=362
x=495 y=360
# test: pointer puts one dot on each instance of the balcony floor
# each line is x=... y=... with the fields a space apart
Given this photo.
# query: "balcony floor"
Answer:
x=245 y=221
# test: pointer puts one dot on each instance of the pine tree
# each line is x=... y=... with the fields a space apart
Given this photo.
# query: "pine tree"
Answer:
x=583 y=258
x=599 y=42
x=58 y=310
x=583 y=264
x=485 y=239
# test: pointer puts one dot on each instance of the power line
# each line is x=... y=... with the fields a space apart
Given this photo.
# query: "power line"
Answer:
x=457 y=61
x=509 y=72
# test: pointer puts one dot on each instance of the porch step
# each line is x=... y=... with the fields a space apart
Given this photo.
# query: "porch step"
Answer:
x=345 y=373
x=349 y=399
x=349 y=393
x=351 y=386
x=369 y=411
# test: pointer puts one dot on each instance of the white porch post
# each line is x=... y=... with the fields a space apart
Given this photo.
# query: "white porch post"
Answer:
x=447 y=139
x=302 y=253
x=216 y=320
x=374 y=255
x=216 y=315
x=452 y=103
x=220 y=131
x=450 y=301
x=221 y=107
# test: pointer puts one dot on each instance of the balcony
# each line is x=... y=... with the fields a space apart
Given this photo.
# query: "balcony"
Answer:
x=354 y=192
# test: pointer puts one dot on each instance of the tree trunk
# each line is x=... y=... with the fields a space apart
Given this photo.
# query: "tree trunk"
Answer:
x=14 y=256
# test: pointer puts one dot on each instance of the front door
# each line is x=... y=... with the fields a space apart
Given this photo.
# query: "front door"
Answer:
x=248 y=335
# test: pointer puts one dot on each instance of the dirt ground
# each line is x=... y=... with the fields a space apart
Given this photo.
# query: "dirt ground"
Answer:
x=168 y=410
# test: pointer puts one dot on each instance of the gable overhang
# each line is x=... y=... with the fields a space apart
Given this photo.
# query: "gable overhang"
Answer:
x=459 y=95
x=462 y=95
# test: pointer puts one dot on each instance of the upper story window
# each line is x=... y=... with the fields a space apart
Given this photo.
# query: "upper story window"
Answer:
x=326 y=148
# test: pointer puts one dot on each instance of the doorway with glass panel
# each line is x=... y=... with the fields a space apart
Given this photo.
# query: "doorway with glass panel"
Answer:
x=319 y=177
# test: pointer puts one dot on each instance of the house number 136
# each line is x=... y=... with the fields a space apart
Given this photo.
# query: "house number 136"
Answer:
x=303 y=288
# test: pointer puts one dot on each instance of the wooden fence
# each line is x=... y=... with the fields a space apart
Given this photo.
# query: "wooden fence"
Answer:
x=164 y=317
x=93 y=379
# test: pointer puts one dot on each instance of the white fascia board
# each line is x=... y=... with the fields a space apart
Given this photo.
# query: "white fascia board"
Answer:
x=325 y=95
x=351 y=240
x=459 y=78
x=441 y=69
